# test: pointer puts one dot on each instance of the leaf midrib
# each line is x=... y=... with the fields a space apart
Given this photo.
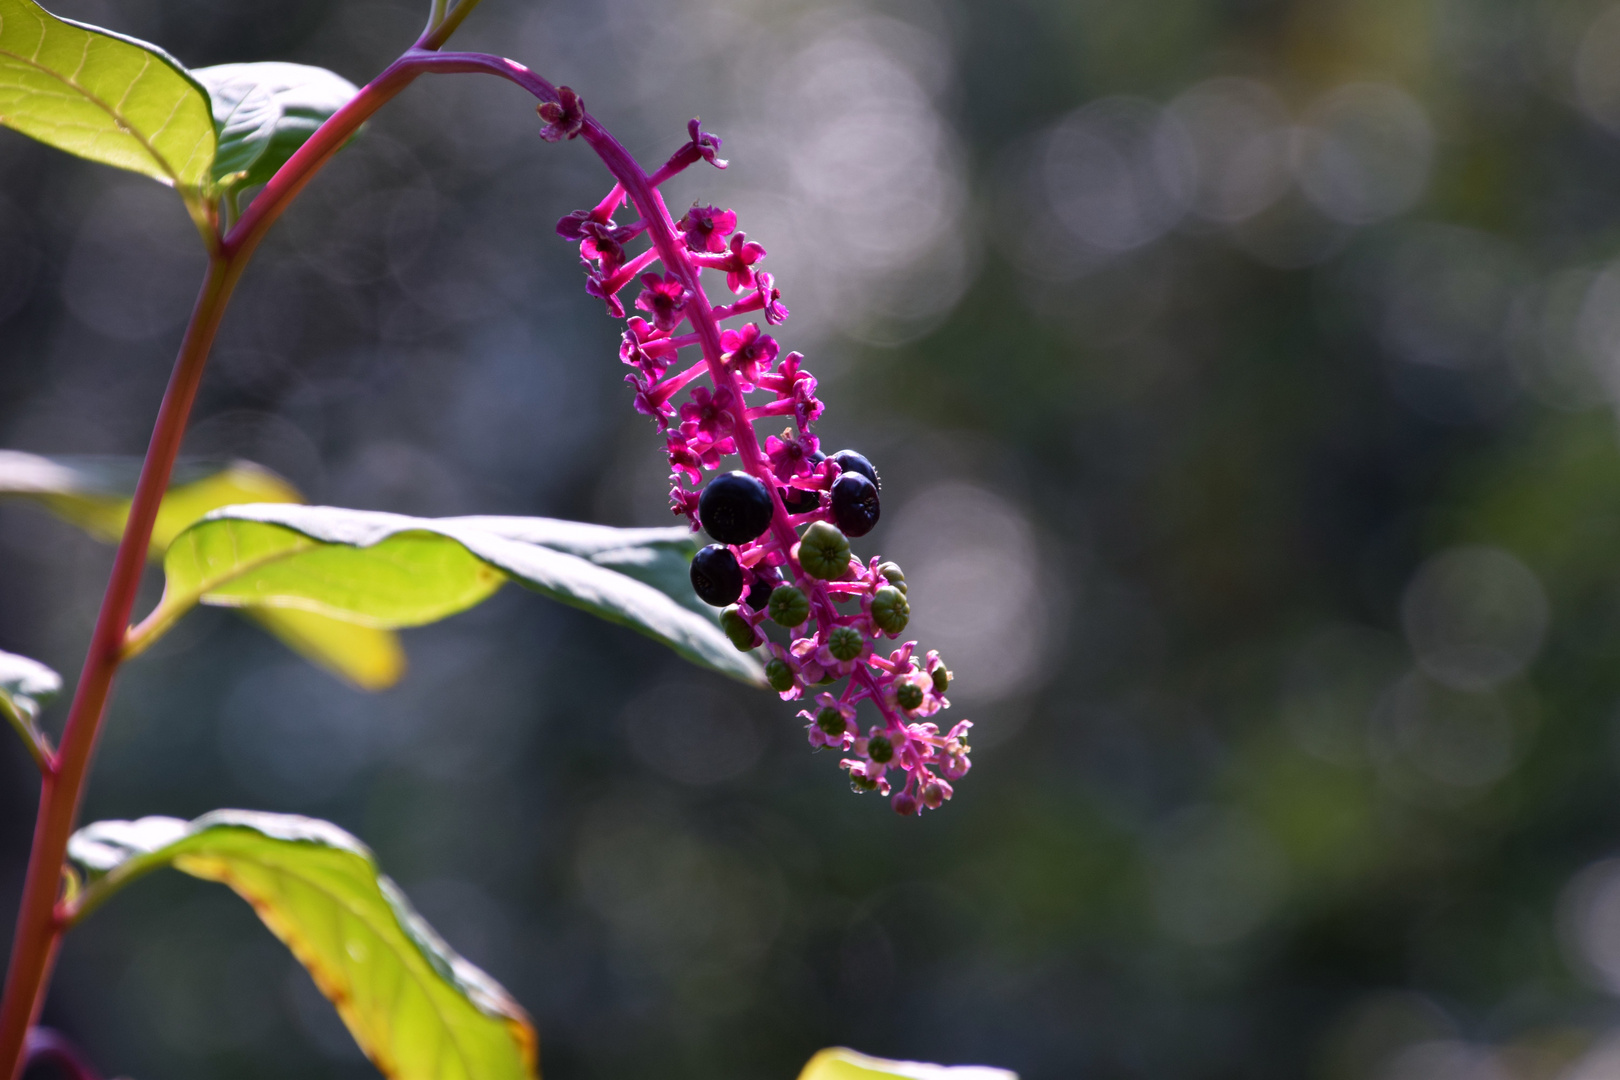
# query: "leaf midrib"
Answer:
x=108 y=109
x=147 y=58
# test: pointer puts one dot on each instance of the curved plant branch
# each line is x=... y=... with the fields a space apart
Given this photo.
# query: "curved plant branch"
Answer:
x=39 y=927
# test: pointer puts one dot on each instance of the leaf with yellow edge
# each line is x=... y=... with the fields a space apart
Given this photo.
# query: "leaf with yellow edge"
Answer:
x=418 y=1010
x=839 y=1063
x=94 y=493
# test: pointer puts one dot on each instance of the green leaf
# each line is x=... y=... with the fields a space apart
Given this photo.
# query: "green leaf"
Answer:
x=103 y=96
x=265 y=112
x=94 y=493
x=388 y=570
x=661 y=558
x=419 y=1011
x=24 y=684
x=841 y=1064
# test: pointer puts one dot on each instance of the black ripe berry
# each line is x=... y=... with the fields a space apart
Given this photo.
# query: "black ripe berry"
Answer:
x=716 y=576
x=849 y=461
x=799 y=501
x=759 y=592
x=855 y=504
x=735 y=508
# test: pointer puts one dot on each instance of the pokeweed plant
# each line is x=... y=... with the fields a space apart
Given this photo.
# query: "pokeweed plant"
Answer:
x=335 y=583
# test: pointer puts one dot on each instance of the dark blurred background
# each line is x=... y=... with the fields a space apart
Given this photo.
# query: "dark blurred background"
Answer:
x=1242 y=375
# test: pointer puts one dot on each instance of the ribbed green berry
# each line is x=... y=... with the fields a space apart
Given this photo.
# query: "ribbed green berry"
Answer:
x=880 y=749
x=779 y=675
x=737 y=628
x=907 y=693
x=830 y=720
x=824 y=552
x=890 y=572
x=788 y=606
x=942 y=679
x=845 y=642
x=890 y=610
x=861 y=784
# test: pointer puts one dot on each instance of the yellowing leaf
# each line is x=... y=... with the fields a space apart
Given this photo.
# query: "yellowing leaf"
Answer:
x=370 y=658
x=839 y=1063
x=418 y=1010
x=94 y=494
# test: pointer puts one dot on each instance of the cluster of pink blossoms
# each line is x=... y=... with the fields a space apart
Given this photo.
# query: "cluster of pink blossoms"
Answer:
x=834 y=610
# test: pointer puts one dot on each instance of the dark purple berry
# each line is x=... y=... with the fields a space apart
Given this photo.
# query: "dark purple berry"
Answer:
x=855 y=504
x=735 y=508
x=759 y=593
x=716 y=576
x=850 y=461
x=799 y=501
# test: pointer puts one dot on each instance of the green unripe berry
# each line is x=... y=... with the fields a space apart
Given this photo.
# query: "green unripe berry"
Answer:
x=890 y=610
x=827 y=678
x=831 y=721
x=861 y=784
x=737 y=628
x=824 y=552
x=880 y=749
x=779 y=675
x=942 y=679
x=890 y=572
x=907 y=693
x=845 y=642
x=788 y=606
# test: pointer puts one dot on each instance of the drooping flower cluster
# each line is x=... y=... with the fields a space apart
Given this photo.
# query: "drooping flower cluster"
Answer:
x=831 y=611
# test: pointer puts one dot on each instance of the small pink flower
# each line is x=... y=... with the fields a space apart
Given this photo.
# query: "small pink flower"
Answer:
x=633 y=351
x=571 y=226
x=739 y=263
x=652 y=399
x=790 y=457
x=564 y=117
x=770 y=298
x=682 y=501
x=664 y=299
x=705 y=144
x=747 y=351
x=707 y=414
x=706 y=228
x=598 y=285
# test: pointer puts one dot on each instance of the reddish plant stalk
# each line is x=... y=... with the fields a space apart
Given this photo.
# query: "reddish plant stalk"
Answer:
x=38 y=933
x=39 y=927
